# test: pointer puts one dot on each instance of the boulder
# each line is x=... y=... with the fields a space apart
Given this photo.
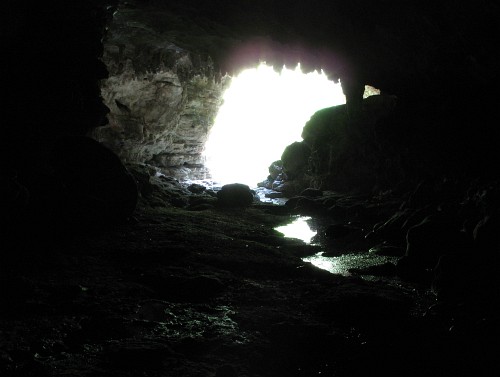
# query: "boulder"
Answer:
x=275 y=169
x=97 y=187
x=235 y=195
x=295 y=159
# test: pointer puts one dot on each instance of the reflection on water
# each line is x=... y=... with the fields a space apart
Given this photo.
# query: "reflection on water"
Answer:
x=299 y=228
x=302 y=228
x=343 y=263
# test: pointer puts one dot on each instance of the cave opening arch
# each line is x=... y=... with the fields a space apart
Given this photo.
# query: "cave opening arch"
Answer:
x=264 y=110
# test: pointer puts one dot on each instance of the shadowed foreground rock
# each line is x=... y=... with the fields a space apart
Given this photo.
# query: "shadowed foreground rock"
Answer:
x=185 y=287
x=235 y=195
x=98 y=188
x=218 y=292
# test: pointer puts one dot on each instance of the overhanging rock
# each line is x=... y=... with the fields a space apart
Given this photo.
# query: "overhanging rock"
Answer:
x=162 y=99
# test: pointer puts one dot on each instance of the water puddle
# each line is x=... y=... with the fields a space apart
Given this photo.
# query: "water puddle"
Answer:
x=345 y=263
x=299 y=228
x=306 y=229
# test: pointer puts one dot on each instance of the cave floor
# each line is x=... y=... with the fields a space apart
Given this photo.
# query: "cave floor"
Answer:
x=213 y=293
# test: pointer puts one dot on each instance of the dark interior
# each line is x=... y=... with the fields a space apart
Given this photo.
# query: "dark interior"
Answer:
x=113 y=264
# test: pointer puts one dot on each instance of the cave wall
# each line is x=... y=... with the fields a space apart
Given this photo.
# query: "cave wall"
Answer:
x=162 y=98
x=50 y=73
x=158 y=68
x=168 y=62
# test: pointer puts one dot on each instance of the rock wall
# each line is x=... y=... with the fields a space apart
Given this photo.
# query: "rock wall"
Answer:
x=162 y=99
x=164 y=89
x=353 y=153
x=344 y=152
x=49 y=74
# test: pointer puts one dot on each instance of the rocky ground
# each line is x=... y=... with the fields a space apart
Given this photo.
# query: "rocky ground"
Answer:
x=200 y=289
x=189 y=287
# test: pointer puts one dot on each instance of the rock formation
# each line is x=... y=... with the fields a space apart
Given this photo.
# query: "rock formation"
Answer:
x=154 y=278
x=169 y=63
x=162 y=98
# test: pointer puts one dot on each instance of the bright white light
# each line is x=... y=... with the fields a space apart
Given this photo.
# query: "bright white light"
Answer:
x=263 y=112
x=299 y=229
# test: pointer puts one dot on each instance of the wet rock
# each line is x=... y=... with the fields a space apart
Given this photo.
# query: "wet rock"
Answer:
x=235 y=195
x=275 y=195
x=183 y=288
x=266 y=183
x=393 y=228
x=433 y=237
x=338 y=231
x=388 y=250
x=201 y=288
x=137 y=354
x=226 y=371
x=289 y=187
x=311 y=193
x=157 y=189
x=275 y=169
x=384 y=269
x=196 y=188
x=295 y=159
x=338 y=213
x=201 y=202
x=305 y=206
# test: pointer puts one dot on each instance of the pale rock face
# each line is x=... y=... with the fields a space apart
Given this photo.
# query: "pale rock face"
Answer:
x=162 y=105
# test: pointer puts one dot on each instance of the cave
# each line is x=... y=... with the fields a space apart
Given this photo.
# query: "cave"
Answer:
x=121 y=256
x=263 y=111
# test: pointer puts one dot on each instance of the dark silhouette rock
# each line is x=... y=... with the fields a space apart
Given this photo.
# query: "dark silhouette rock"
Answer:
x=295 y=159
x=231 y=292
x=97 y=185
x=338 y=231
x=235 y=195
x=196 y=188
x=312 y=193
x=434 y=237
x=275 y=169
x=487 y=236
x=388 y=250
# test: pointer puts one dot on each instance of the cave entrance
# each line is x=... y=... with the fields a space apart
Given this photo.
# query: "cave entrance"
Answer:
x=264 y=111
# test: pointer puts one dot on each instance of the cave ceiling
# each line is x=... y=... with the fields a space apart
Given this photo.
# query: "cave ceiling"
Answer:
x=389 y=44
x=439 y=56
